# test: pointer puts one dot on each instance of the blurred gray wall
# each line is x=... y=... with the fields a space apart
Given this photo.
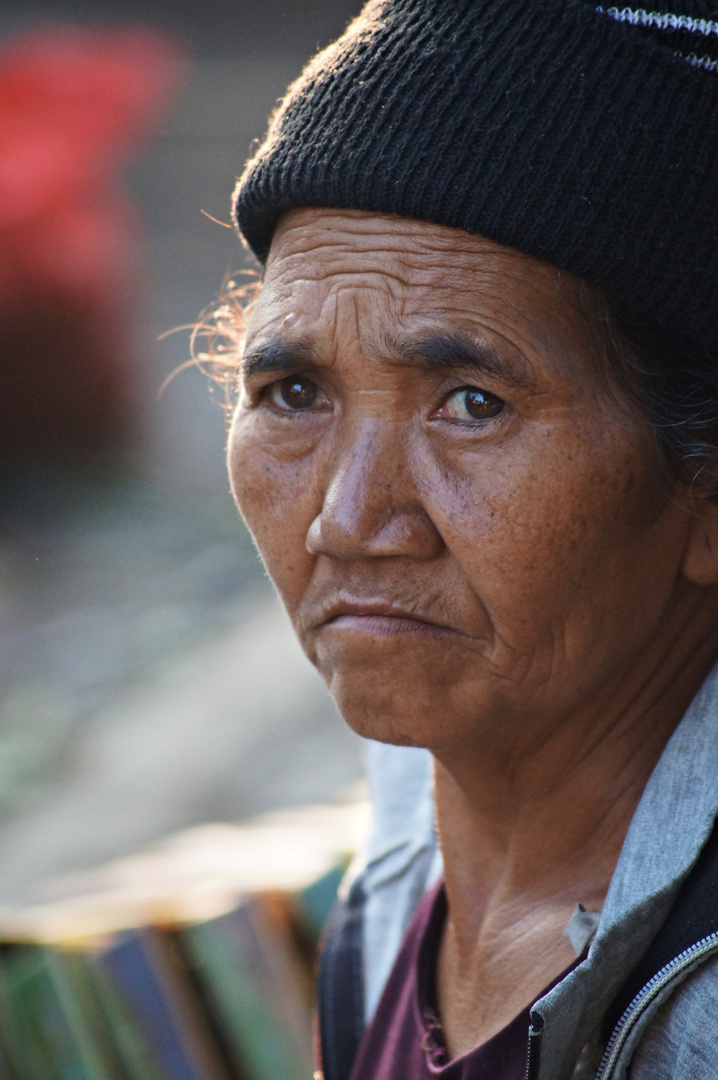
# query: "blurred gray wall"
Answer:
x=148 y=680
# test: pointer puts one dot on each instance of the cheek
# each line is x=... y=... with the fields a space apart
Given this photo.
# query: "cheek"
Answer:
x=277 y=500
x=559 y=534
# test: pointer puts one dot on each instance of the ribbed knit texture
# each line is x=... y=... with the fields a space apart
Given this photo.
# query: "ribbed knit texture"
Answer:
x=550 y=127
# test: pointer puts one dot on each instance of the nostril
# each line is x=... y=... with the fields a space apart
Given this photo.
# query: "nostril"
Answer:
x=367 y=532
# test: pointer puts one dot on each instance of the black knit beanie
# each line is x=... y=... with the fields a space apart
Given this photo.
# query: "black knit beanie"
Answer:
x=583 y=135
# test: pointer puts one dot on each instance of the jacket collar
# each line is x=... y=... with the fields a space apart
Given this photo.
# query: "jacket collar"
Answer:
x=671 y=824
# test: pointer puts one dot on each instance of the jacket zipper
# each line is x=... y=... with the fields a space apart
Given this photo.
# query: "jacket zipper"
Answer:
x=643 y=999
x=533 y=1056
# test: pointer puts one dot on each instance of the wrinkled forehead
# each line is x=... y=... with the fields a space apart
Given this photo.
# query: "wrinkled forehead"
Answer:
x=336 y=242
x=329 y=265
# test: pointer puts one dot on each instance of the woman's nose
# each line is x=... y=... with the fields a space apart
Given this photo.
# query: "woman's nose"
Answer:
x=372 y=504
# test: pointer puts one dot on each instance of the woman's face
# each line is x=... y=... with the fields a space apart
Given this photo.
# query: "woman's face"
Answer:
x=466 y=532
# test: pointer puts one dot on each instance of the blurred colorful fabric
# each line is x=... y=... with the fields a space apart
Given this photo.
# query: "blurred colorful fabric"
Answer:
x=75 y=106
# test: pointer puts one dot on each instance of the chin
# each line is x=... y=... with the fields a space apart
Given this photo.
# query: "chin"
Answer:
x=403 y=720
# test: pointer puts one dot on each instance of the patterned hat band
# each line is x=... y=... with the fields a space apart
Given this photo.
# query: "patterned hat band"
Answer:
x=695 y=40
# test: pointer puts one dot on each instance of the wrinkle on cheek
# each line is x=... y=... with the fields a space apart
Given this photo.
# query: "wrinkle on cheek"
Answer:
x=263 y=482
x=463 y=496
x=258 y=436
x=278 y=508
x=548 y=543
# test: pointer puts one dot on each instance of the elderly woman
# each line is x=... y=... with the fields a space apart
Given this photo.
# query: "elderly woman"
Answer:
x=476 y=447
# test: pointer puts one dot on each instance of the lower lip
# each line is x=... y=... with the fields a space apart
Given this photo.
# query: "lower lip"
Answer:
x=385 y=626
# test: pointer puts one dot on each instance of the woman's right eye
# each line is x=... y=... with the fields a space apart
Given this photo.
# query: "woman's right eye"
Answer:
x=294 y=394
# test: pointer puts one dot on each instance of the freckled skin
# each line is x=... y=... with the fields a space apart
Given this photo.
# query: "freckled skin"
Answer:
x=539 y=540
x=564 y=599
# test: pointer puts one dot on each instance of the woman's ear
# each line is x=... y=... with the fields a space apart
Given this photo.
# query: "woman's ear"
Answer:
x=700 y=560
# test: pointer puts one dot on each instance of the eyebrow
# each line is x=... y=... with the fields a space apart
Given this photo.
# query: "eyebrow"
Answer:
x=454 y=349
x=277 y=356
x=432 y=351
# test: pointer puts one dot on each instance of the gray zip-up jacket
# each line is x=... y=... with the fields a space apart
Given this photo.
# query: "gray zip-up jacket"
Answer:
x=668 y=1029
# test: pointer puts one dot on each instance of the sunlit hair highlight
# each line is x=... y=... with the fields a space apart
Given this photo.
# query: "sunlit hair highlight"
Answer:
x=218 y=337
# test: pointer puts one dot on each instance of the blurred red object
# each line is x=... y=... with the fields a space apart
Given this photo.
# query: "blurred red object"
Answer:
x=75 y=106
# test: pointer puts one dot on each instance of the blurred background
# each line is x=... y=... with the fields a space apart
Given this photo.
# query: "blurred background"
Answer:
x=149 y=681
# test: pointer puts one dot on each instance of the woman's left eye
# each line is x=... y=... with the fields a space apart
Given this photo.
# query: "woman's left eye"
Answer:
x=470 y=403
x=294 y=394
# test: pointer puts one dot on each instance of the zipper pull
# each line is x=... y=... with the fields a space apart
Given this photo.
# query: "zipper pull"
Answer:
x=533 y=1058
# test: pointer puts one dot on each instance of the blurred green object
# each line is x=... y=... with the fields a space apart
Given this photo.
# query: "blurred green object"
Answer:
x=256 y=989
x=195 y=960
x=317 y=900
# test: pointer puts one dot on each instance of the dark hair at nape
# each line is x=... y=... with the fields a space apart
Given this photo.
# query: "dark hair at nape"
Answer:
x=669 y=379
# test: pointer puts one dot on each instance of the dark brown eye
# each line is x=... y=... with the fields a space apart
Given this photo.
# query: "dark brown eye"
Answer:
x=294 y=393
x=471 y=403
x=479 y=404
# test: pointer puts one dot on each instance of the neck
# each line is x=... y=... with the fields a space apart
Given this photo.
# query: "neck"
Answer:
x=529 y=829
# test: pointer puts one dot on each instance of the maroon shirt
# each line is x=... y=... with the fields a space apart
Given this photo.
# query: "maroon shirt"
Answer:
x=405 y=1039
